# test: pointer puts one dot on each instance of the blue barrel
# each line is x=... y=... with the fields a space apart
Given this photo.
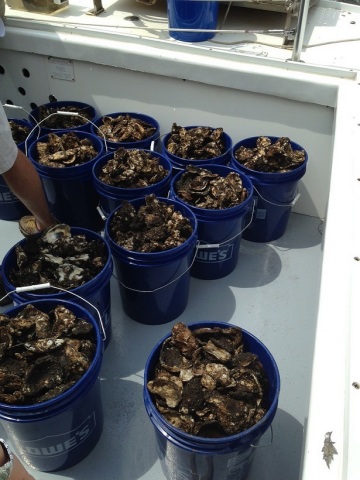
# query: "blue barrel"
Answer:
x=60 y=432
x=84 y=123
x=70 y=190
x=192 y=15
x=219 y=230
x=191 y=457
x=145 y=143
x=180 y=163
x=274 y=194
x=154 y=287
x=95 y=292
x=111 y=197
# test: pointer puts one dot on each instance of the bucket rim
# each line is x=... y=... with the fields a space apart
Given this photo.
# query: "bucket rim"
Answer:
x=204 y=213
x=153 y=256
x=69 y=170
x=265 y=421
x=105 y=272
x=138 y=191
x=271 y=177
x=69 y=394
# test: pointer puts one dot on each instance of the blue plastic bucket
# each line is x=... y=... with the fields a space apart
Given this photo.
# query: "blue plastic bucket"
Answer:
x=59 y=433
x=111 y=197
x=84 y=123
x=219 y=231
x=198 y=458
x=154 y=287
x=194 y=15
x=70 y=191
x=179 y=163
x=95 y=292
x=145 y=143
x=274 y=195
x=11 y=208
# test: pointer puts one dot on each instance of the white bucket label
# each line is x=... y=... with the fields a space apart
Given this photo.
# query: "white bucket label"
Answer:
x=214 y=255
x=54 y=445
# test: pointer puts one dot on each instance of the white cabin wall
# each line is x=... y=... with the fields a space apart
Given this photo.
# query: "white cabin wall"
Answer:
x=241 y=113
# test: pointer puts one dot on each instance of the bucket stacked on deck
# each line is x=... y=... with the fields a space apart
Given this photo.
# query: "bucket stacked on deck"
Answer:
x=275 y=165
x=59 y=419
x=199 y=430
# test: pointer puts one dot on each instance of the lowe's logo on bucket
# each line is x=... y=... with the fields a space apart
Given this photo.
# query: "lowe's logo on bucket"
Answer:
x=214 y=255
x=54 y=445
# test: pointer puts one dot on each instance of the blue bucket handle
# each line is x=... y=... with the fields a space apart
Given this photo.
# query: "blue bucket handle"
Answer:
x=41 y=286
x=268 y=444
x=167 y=284
x=217 y=245
x=297 y=196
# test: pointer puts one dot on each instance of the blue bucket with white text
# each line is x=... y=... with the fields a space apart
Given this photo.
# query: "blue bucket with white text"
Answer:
x=193 y=457
x=274 y=195
x=154 y=287
x=58 y=433
x=94 y=293
x=219 y=230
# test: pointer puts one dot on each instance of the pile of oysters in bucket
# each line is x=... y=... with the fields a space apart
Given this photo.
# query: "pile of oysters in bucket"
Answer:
x=205 y=384
x=42 y=354
x=58 y=257
x=125 y=128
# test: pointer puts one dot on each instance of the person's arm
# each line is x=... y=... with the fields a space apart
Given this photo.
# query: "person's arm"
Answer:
x=23 y=179
x=10 y=463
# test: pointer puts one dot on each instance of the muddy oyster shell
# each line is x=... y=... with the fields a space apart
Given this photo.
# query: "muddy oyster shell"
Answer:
x=125 y=128
x=42 y=354
x=153 y=227
x=196 y=143
x=277 y=157
x=58 y=257
x=206 y=385
x=203 y=189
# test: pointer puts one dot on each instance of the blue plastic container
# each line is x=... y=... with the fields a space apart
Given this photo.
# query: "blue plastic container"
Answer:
x=59 y=433
x=179 y=163
x=111 y=197
x=70 y=190
x=190 y=457
x=274 y=194
x=34 y=117
x=219 y=231
x=146 y=143
x=96 y=291
x=11 y=208
x=194 y=15
x=154 y=287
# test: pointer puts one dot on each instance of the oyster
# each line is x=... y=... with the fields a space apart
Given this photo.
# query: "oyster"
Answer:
x=153 y=227
x=132 y=168
x=66 y=150
x=206 y=385
x=277 y=157
x=197 y=143
x=203 y=189
x=48 y=118
x=43 y=354
x=125 y=128
x=58 y=257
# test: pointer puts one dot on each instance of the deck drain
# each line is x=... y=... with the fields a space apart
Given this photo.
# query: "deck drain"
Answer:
x=132 y=18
